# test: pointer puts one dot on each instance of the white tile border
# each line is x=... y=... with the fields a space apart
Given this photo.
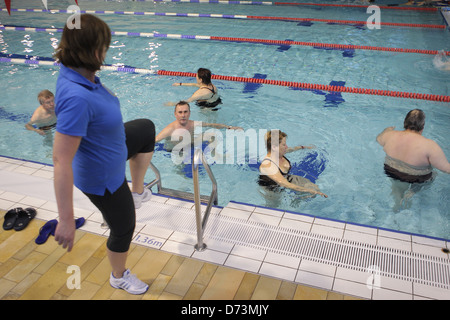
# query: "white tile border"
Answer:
x=243 y=263
x=315 y=280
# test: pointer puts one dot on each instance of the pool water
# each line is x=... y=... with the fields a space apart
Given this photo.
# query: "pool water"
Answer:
x=347 y=161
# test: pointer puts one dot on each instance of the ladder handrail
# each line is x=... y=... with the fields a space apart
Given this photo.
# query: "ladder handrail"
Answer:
x=201 y=223
x=157 y=180
x=198 y=158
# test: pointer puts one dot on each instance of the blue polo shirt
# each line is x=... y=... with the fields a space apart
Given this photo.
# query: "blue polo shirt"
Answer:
x=91 y=111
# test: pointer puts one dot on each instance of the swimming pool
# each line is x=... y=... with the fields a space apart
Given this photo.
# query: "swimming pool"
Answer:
x=343 y=126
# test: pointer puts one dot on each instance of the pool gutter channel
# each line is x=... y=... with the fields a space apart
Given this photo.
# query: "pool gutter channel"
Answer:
x=378 y=260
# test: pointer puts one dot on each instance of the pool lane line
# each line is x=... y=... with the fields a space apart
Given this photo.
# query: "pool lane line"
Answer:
x=390 y=24
x=233 y=39
x=234 y=16
x=276 y=3
x=307 y=86
x=311 y=86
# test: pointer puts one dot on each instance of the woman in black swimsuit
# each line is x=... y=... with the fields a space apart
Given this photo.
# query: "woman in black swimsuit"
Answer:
x=206 y=95
x=274 y=169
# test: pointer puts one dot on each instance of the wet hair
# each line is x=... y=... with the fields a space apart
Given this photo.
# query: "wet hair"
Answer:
x=268 y=137
x=81 y=47
x=45 y=94
x=414 y=120
x=204 y=75
x=182 y=103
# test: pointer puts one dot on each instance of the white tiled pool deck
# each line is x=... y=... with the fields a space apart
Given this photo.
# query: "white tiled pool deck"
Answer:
x=169 y=225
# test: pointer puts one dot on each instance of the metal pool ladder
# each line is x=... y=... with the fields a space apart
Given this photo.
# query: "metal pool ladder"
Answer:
x=201 y=223
x=198 y=159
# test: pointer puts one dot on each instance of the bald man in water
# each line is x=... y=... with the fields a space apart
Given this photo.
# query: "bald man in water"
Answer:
x=410 y=157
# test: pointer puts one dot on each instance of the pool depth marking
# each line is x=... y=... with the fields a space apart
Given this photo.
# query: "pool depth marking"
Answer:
x=232 y=16
x=281 y=43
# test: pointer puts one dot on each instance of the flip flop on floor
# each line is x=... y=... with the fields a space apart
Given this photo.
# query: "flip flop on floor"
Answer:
x=10 y=218
x=23 y=218
x=47 y=229
x=78 y=223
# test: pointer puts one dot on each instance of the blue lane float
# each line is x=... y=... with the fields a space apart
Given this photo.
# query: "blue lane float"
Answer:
x=332 y=98
x=310 y=166
x=251 y=87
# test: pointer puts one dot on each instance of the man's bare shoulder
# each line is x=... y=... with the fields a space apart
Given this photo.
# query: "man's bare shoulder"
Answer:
x=423 y=140
x=431 y=143
x=39 y=112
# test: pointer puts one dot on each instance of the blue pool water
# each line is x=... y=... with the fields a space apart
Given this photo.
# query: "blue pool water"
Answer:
x=347 y=162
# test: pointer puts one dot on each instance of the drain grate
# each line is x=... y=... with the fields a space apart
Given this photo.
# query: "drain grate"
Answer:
x=394 y=263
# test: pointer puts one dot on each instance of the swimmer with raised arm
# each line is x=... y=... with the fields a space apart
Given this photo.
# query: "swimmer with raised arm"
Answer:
x=206 y=96
x=182 y=113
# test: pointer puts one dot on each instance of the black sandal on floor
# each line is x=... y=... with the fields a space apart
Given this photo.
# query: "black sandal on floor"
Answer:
x=23 y=218
x=10 y=218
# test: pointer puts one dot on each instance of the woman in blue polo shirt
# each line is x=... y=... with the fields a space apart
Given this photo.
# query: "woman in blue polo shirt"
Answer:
x=92 y=145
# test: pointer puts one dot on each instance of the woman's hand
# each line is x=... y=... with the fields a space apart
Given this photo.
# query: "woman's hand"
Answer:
x=65 y=234
x=321 y=194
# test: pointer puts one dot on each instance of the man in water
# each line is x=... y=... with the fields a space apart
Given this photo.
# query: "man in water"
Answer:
x=410 y=157
x=184 y=128
x=182 y=122
x=44 y=117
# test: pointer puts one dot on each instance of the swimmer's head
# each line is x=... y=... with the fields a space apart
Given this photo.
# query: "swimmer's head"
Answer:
x=44 y=94
x=47 y=100
x=204 y=75
x=182 y=103
x=272 y=136
x=84 y=47
x=414 y=120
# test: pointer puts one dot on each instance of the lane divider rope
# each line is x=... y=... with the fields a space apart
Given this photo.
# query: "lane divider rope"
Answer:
x=358 y=6
x=234 y=16
x=270 y=3
x=300 y=85
x=233 y=39
x=311 y=86
x=391 y=24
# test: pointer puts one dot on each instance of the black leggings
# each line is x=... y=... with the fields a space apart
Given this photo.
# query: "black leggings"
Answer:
x=140 y=135
x=118 y=208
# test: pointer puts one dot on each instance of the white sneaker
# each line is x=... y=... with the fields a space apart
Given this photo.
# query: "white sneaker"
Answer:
x=129 y=282
x=143 y=197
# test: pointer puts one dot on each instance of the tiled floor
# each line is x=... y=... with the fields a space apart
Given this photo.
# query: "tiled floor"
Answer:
x=29 y=271
x=163 y=252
